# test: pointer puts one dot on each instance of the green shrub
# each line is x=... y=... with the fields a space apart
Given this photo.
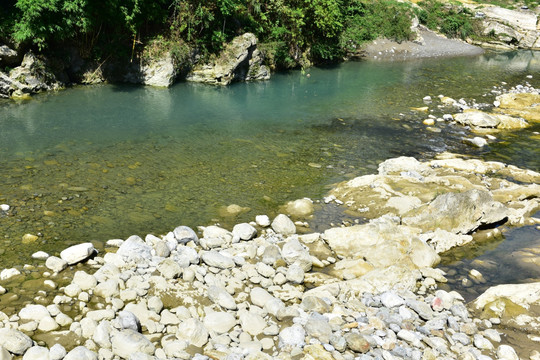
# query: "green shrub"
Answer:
x=452 y=20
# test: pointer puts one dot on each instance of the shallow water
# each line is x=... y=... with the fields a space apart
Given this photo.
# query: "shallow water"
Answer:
x=99 y=162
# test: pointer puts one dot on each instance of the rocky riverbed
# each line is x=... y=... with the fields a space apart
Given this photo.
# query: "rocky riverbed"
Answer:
x=262 y=291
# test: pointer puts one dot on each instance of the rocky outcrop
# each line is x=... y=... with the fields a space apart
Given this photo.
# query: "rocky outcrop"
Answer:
x=434 y=204
x=8 y=56
x=159 y=72
x=510 y=28
x=239 y=61
x=517 y=305
x=479 y=119
x=32 y=76
x=525 y=105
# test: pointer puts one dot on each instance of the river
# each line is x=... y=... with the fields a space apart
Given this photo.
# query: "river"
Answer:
x=93 y=163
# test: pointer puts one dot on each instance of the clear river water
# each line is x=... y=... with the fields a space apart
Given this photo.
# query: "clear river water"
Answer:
x=94 y=163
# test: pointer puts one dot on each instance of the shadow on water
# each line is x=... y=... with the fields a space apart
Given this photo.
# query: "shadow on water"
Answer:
x=512 y=256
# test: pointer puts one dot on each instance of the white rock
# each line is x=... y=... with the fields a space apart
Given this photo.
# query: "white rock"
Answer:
x=72 y=290
x=506 y=352
x=36 y=353
x=169 y=269
x=127 y=341
x=252 y=323
x=48 y=324
x=260 y=296
x=244 y=231
x=294 y=252
x=390 y=299
x=81 y=353
x=128 y=320
x=185 y=234
x=175 y=349
x=40 y=255
x=220 y=322
x=155 y=304
x=265 y=270
x=221 y=297
x=216 y=259
x=193 y=331
x=55 y=264
x=4 y=207
x=57 y=352
x=14 y=341
x=477 y=141
x=107 y=289
x=283 y=225
x=135 y=249
x=7 y=274
x=482 y=343
x=102 y=335
x=262 y=220
x=292 y=336
x=77 y=253
x=33 y=312
x=84 y=280
x=295 y=274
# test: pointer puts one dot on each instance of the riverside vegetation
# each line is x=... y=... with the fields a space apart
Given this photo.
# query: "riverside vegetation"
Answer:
x=157 y=42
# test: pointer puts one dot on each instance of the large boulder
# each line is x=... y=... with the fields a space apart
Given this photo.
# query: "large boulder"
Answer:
x=480 y=119
x=159 y=71
x=239 y=61
x=525 y=105
x=510 y=28
x=459 y=213
x=8 y=56
x=33 y=76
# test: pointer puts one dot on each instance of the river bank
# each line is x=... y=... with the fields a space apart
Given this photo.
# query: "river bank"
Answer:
x=162 y=61
x=261 y=291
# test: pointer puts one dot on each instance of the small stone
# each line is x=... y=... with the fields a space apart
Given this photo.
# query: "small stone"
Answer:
x=14 y=341
x=282 y=224
x=390 y=299
x=295 y=274
x=127 y=341
x=482 y=343
x=29 y=238
x=476 y=141
x=185 y=234
x=244 y=231
x=55 y=264
x=40 y=255
x=218 y=260
x=57 y=352
x=357 y=342
x=4 y=207
x=293 y=336
x=81 y=353
x=77 y=253
x=7 y=274
x=221 y=297
x=220 y=322
x=506 y=352
x=262 y=220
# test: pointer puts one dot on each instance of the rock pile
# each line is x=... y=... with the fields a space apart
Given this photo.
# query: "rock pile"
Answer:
x=261 y=291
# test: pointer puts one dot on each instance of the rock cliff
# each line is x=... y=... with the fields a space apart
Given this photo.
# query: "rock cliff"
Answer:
x=239 y=61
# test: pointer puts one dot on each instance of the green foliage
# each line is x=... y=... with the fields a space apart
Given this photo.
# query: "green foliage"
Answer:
x=291 y=32
x=45 y=20
x=368 y=20
x=452 y=20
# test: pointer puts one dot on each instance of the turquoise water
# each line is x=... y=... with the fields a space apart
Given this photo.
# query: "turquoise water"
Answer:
x=99 y=162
